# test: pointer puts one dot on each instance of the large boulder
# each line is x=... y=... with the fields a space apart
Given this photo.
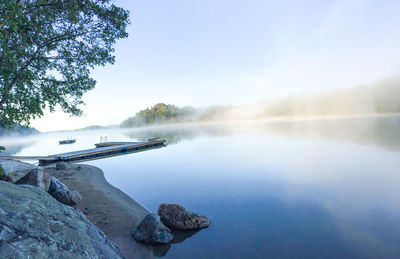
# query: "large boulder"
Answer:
x=152 y=231
x=61 y=193
x=34 y=225
x=15 y=170
x=63 y=166
x=177 y=217
x=36 y=177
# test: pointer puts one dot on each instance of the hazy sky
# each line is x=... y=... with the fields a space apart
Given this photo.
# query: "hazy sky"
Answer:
x=204 y=52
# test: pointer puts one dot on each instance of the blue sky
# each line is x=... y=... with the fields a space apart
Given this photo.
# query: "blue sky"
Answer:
x=208 y=52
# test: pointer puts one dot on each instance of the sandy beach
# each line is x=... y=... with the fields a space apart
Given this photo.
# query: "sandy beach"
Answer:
x=111 y=210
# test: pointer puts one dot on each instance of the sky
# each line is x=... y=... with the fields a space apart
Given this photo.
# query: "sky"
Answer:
x=206 y=52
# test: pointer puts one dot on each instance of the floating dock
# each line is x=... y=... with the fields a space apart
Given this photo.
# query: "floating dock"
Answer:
x=109 y=144
x=102 y=150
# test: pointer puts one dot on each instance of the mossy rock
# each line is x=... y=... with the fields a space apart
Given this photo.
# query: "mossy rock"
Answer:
x=34 y=225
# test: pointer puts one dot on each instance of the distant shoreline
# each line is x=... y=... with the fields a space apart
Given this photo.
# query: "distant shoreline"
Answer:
x=272 y=119
x=258 y=119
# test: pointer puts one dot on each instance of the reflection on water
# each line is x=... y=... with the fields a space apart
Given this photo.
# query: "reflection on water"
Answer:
x=305 y=189
x=174 y=134
x=179 y=237
x=379 y=131
x=382 y=132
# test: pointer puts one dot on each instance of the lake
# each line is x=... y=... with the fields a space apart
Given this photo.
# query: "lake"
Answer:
x=294 y=189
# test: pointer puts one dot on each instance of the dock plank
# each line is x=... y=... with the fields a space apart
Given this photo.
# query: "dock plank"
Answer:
x=101 y=151
x=96 y=150
x=107 y=144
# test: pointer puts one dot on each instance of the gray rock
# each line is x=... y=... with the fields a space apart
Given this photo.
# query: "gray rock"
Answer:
x=36 y=177
x=67 y=197
x=177 y=217
x=63 y=166
x=15 y=170
x=55 y=185
x=34 y=225
x=61 y=193
x=152 y=231
x=6 y=178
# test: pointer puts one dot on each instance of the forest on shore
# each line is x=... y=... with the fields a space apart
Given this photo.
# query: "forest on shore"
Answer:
x=380 y=98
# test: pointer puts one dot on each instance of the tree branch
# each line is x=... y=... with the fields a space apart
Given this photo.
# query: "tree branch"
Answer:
x=33 y=57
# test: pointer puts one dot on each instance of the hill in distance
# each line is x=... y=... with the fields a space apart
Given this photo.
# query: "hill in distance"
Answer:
x=17 y=130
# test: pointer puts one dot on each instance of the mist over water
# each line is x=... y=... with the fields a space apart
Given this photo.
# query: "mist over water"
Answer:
x=304 y=189
x=281 y=118
x=376 y=98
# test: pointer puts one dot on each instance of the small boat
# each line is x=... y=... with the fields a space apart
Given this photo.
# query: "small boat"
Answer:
x=67 y=141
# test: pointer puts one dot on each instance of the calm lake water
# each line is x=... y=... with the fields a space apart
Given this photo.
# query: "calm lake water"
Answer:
x=306 y=189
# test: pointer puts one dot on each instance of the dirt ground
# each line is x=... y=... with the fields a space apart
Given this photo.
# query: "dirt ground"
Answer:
x=111 y=210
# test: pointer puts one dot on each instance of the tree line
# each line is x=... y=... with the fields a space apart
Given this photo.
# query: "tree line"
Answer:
x=381 y=98
x=160 y=113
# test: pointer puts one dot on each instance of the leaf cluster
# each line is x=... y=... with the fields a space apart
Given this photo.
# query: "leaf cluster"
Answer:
x=47 y=49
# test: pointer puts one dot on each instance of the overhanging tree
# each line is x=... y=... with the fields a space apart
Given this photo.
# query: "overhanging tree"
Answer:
x=47 y=49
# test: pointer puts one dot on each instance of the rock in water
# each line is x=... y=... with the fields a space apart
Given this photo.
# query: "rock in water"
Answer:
x=15 y=170
x=36 y=177
x=63 y=166
x=152 y=231
x=34 y=225
x=61 y=193
x=177 y=217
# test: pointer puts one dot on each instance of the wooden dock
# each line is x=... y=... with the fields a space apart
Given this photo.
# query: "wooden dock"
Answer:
x=102 y=150
x=109 y=144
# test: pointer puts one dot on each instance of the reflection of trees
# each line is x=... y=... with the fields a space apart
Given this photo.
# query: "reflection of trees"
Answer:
x=383 y=132
x=176 y=133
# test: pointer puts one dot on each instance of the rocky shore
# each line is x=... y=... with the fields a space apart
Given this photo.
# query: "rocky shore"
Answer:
x=34 y=225
x=70 y=210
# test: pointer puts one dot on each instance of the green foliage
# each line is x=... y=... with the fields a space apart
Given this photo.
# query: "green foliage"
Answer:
x=47 y=49
x=1 y=149
x=1 y=169
x=160 y=113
